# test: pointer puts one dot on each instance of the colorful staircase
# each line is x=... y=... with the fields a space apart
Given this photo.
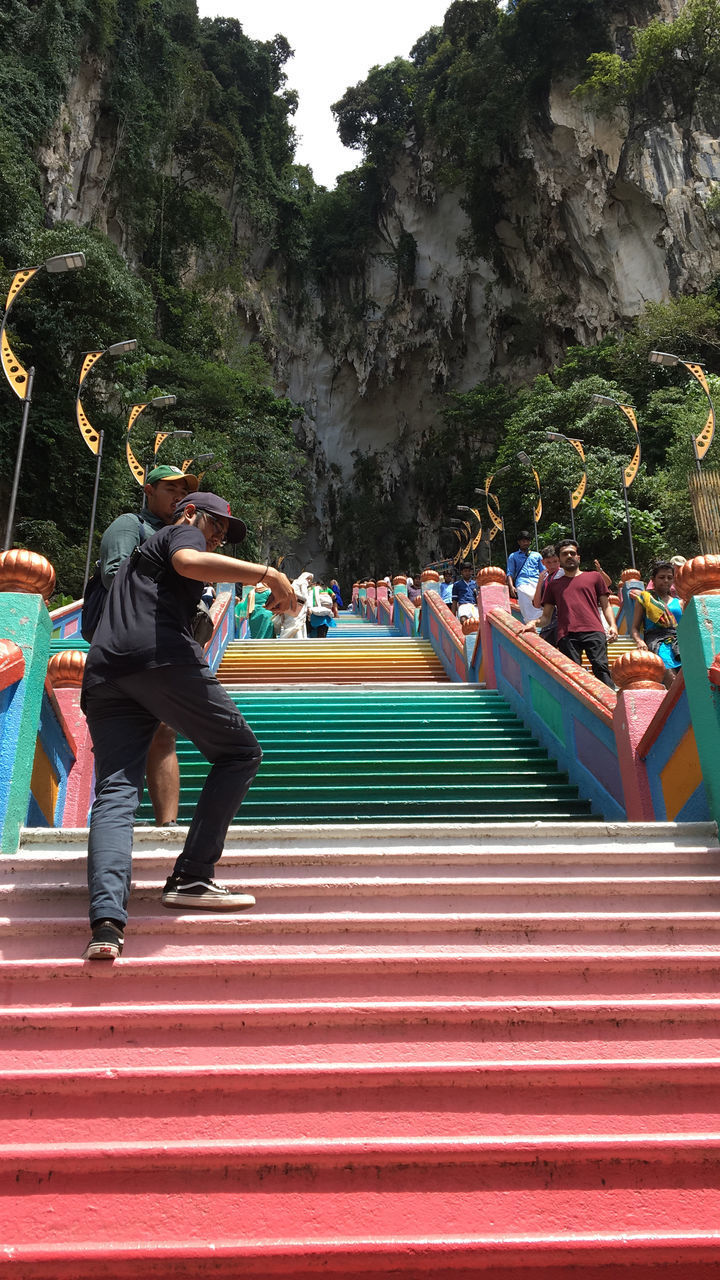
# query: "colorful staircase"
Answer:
x=368 y=728
x=441 y=1047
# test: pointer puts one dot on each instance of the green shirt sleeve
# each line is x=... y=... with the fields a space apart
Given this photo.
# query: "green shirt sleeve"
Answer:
x=118 y=542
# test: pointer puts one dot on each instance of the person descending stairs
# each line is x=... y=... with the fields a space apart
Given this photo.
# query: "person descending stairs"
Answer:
x=467 y=1031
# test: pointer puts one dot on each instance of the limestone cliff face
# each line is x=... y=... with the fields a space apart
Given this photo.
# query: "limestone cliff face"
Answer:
x=600 y=218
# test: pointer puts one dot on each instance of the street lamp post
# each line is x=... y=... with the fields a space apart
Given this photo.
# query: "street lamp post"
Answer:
x=158 y=402
x=701 y=443
x=537 y=509
x=493 y=509
x=21 y=380
x=576 y=495
x=477 y=536
x=628 y=473
x=94 y=439
x=468 y=533
x=448 y=528
x=201 y=457
x=170 y=435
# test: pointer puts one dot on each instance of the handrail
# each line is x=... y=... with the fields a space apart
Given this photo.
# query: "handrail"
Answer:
x=583 y=685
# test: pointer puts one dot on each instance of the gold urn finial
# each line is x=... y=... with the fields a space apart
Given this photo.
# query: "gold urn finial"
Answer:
x=491 y=573
x=638 y=669
x=698 y=577
x=65 y=670
x=27 y=572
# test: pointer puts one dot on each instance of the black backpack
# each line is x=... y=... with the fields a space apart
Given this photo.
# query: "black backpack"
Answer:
x=96 y=595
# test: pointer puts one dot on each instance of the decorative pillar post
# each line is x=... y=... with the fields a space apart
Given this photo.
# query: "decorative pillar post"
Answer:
x=429 y=580
x=492 y=594
x=65 y=673
x=400 y=585
x=26 y=581
x=697 y=582
x=639 y=677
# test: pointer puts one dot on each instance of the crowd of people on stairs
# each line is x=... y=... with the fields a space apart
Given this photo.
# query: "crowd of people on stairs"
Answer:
x=315 y=610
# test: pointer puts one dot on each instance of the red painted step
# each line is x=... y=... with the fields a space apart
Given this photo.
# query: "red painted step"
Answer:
x=443 y=1052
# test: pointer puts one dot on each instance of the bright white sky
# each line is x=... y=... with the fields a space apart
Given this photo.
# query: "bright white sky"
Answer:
x=335 y=46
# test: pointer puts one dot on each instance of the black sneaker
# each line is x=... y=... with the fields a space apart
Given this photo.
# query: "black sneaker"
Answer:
x=106 y=943
x=195 y=893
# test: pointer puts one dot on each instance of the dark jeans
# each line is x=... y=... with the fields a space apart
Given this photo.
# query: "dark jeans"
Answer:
x=122 y=716
x=595 y=645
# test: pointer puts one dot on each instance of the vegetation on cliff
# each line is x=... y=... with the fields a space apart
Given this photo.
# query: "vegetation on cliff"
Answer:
x=201 y=123
x=482 y=430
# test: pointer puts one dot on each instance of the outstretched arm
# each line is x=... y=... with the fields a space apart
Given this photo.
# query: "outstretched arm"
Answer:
x=207 y=566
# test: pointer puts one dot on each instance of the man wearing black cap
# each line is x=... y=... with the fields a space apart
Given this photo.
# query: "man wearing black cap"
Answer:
x=164 y=488
x=144 y=667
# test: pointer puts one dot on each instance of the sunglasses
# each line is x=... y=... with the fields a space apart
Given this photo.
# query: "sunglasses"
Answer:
x=217 y=524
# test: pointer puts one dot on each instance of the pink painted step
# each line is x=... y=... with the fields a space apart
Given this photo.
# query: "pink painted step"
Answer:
x=316 y=1190
x=353 y=1101
x=423 y=973
x=493 y=1055
x=253 y=1033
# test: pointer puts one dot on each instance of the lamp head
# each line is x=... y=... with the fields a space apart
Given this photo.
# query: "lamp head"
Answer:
x=204 y=457
x=554 y=435
x=183 y=434
x=65 y=262
x=122 y=348
x=663 y=358
x=604 y=400
x=523 y=457
x=459 y=508
x=163 y=402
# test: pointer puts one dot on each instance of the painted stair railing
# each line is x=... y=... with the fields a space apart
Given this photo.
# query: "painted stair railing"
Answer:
x=640 y=754
x=453 y=1050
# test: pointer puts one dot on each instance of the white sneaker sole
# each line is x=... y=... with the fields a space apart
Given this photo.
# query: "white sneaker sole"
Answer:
x=207 y=902
x=101 y=951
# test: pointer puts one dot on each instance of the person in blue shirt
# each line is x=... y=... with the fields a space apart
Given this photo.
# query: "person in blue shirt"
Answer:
x=523 y=570
x=446 y=586
x=464 y=595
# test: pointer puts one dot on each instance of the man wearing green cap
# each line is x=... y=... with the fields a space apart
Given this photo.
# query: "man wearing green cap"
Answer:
x=164 y=488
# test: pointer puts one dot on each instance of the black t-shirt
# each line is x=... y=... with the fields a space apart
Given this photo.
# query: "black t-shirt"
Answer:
x=146 y=623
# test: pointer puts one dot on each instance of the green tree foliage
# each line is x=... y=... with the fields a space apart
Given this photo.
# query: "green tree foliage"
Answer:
x=376 y=115
x=470 y=86
x=675 y=67
x=481 y=431
x=201 y=122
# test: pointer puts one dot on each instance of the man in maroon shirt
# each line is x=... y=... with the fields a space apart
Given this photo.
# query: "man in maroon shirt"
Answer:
x=580 y=598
